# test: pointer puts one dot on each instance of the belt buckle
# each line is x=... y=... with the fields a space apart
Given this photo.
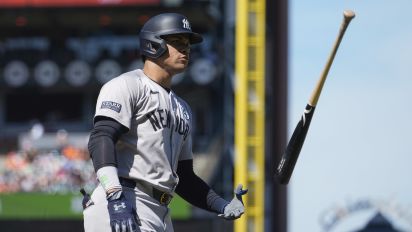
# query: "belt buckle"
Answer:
x=165 y=198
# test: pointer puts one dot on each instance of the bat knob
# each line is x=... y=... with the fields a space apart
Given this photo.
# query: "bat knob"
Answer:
x=348 y=14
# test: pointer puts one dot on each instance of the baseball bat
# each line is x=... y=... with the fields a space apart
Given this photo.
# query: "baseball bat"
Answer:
x=290 y=156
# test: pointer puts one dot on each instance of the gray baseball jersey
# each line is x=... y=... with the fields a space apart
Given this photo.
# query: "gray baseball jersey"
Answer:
x=159 y=124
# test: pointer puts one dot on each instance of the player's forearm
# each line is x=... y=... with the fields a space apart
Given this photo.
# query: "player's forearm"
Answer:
x=102 y=150
x=202 y=195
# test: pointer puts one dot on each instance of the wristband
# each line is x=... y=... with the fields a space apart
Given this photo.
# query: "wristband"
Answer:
x=109 y=179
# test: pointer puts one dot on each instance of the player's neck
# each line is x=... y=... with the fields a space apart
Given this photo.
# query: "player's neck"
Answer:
x=158 y=75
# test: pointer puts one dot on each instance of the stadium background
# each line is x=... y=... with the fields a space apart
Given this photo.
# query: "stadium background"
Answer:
x=55 y=55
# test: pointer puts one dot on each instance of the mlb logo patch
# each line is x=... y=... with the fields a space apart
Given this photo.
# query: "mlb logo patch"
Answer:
x=111 y=105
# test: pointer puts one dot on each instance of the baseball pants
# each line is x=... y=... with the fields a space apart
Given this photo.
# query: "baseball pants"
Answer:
x=153 y=216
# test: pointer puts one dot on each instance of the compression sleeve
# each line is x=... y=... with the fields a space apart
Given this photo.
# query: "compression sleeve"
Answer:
x=103 y=137
x=195 y=191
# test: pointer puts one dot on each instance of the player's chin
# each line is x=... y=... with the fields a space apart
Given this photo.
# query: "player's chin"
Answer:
x=180 y=67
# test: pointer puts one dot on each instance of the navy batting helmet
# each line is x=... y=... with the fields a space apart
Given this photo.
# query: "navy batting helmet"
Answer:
x=151 y=42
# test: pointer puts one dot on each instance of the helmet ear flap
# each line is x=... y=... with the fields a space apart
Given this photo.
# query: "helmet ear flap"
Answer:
x=152 y=47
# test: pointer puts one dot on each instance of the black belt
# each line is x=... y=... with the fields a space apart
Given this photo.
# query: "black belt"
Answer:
x=163 y=198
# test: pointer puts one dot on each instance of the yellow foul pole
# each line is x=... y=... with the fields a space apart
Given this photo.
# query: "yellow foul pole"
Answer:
x=250 y=111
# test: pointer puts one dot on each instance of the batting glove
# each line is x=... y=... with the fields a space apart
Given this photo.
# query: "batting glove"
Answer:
x=235 y=208
x=123 y=217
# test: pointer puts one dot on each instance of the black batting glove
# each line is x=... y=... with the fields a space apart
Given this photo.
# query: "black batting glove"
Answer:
x=235 y=208
x=123 y=217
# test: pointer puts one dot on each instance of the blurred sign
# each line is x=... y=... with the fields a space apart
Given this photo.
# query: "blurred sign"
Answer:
x=356 y=214
x=107 y=70
x=78 y=73
x=67 y=3
x=47 y=73
x=16 y=73
x=203 y=71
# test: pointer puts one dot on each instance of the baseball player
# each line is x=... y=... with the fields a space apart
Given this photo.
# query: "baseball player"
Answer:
x=141 y=143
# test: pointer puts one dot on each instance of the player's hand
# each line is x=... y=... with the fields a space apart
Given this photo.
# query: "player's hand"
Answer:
x=123 y=217
x=235 y=208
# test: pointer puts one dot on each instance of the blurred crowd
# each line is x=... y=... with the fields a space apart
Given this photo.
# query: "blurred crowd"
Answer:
x=60 y=170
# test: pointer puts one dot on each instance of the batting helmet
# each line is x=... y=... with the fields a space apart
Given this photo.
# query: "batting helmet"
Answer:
x=151 y=42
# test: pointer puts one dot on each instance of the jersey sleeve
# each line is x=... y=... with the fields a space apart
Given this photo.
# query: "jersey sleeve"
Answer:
x=187 y=152
x=116 y=101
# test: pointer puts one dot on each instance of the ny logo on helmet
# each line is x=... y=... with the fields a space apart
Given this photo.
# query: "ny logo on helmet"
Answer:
x=186 y=24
